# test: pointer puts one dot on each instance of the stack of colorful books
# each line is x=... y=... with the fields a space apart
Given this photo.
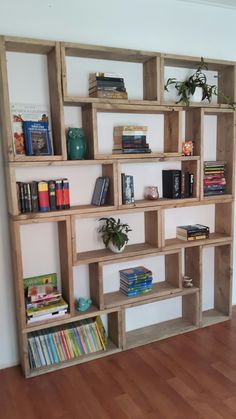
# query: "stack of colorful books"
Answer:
x=135 y=281
x=192 y=232
x=130 y=139
x=107 y=86
x=214 y=182
x=52 y=347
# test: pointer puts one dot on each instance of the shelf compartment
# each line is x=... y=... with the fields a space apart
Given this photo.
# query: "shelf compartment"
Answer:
x=52 y=52
x=214 y=238
x=213 y=316
x=187 y=322
x=225 y=73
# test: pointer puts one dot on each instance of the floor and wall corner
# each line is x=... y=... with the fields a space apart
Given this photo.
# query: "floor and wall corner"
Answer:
x=92 y=24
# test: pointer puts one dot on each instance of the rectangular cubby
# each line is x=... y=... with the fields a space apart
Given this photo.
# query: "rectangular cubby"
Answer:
x=163 y=135
x=82 y=178
x=169 y=317
x=66 y=344
x=219 y=73
x=43 y=59
x=216 y=284
x=84 y=59
x=105 y=280
x=144 y=237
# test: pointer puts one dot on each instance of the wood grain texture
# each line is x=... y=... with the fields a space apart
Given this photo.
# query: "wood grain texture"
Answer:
x=190 y=376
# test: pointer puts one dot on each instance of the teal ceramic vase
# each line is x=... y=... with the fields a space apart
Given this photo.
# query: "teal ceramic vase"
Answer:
x=76 y=144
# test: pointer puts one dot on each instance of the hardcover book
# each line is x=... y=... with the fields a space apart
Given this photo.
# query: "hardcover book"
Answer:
x=37 y=138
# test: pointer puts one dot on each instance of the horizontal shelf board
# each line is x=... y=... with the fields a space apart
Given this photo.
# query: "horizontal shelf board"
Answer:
x=140 y=203
x=158 y=331
x=217 y=197
x=85 y=100
x=107 y=53
x=26 y=159
x=159 y=289
x=214 y=238
x=106 y=254
x=28 y=45
x=213 y=316
x=91 y=312
x=163 y=158
x=173 y=60
x=60 y=163
x=138 y=156
x=207 y=107
x=111 y=349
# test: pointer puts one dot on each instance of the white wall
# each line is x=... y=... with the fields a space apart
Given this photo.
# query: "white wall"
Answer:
x=158 y=25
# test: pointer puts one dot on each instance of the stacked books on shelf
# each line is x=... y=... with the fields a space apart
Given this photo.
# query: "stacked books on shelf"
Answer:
x=55 y=346
x=135 y=281
x=177 y=184
x=43 y=301
x=100 y=191
x=43 y=196
x=31 y=132
x=128 y=139
x=107 y=85
x=192 y=232
x=127 y=183
x=214 y=182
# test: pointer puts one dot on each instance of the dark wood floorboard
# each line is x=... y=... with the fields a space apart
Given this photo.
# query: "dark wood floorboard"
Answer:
x=190 y=376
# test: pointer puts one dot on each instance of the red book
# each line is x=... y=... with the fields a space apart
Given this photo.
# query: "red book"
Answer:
x=43 y=196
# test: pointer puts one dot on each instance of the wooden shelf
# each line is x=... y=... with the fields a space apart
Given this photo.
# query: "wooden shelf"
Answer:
x=111 y=349
x=213 y=239
x=156 y=332
x=105 y=254
x=213 y=316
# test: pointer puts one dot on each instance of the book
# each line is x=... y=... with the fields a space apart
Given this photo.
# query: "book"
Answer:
x=52 y=194
x=37 y=138
x=36 y=293
x=40 y=280
x=109 y=95
x=53 y=307
x=193 y=230
x=66 y=193
x=59 y=194
x=34 y=196
x=100 y=190
x=171 y=184
x=43 y=196
x=127 y=182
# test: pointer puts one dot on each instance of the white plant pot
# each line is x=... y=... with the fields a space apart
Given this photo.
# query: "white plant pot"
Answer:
x=114 y=248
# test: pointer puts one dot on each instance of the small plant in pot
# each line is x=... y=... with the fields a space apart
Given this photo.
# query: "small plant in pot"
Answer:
x=114 y=234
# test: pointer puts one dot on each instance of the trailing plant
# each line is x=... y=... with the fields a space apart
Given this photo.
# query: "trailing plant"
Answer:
x=114 y=231
x=186 y=89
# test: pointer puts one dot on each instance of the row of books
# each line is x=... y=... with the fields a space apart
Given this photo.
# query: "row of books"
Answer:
x=214 y=182
x=135 y=281
x=130 y=139
x=192 y=232
x=177 y=184
x=43 y=196
x=100 y=191
x=107 y=85
x=127 y=183
x=52 y=347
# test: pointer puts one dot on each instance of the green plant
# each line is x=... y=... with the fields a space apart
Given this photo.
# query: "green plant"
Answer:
x=115 y=231
x=186 y=89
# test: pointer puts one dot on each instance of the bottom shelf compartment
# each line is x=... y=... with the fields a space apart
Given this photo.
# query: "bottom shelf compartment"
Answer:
x=180 y=316
x=213 y=316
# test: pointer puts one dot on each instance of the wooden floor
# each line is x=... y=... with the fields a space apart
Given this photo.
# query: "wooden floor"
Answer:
x=189 y=376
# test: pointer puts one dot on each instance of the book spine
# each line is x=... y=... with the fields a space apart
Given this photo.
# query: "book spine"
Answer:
x=59 y=194
x=105 y=190
x=66 y=193
x=34 y=196
x=43 y=196
x=52 y=194
x=21 y=197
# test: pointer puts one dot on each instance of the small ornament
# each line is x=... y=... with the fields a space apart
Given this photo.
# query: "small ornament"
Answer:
x=151 y=192
x=187 y=281
x=83 y=304
x=187 y=148
x=76 y=144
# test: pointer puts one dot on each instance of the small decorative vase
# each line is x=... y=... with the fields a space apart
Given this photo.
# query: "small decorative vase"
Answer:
x=151 y=192
x=114 y=248
x=83 y=304
x=76 y=145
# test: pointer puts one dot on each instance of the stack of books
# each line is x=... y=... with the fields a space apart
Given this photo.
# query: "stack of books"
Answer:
x=135 y=281
x=130 y=139
x=107 y=85
x=214 y=182
x=177 y=184
x=192 y=232
x=52 y=347
x=100 y=191
x=127 y=183
x=43 y=196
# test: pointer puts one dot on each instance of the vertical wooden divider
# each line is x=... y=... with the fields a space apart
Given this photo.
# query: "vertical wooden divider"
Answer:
x=224 y=218
x=89 y=122
x=223 y=279
x=110 y=170
x=225 y=146
x=65 y=249
x=151 y=227
x=57 y=111
x=116 y=327
x=173 y=269
x=193 y=166
x=96 y=284
x=161 y=228
x=172 y=131
x=73 y=238
x=193 y=269
x=162 y=78
x=190 y=311
x=63 y=71
x=151 y=79
x=227 y=83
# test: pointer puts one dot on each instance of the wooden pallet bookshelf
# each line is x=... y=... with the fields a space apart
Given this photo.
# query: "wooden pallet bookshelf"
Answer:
x=113 y=305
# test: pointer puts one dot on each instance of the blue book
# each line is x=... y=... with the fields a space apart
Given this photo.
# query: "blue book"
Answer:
x=37 y=138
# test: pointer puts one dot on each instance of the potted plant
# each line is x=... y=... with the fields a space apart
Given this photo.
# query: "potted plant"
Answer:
x=114 y=234
x=198 y=80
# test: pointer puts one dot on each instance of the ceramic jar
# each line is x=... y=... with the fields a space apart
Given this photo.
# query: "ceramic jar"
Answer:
x=76 y=144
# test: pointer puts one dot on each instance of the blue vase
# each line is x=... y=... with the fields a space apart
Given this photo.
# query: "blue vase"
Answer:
x=76 y=144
